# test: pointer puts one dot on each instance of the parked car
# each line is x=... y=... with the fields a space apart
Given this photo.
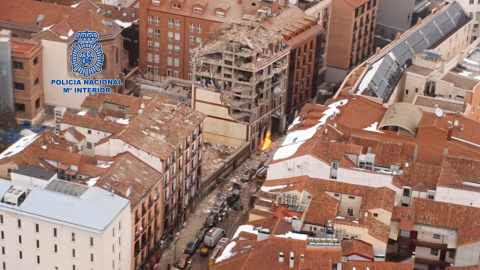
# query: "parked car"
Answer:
x=262 y=172
x=219 y=205
x=200 y=234
x=211 y=221
x=183 y=261
x=192 y=246
x=249 y=174
x=213 y=236
x=232 y=198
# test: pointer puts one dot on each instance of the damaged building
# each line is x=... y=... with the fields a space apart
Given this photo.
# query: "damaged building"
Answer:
x=240 y=84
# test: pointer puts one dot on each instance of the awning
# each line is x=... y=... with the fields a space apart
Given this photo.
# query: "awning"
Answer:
x=64 y=167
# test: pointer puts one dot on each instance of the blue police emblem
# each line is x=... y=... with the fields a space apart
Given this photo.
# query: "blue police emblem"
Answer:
x=87 y=56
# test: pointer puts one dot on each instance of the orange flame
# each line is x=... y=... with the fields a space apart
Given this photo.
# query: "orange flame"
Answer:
x=266 y=142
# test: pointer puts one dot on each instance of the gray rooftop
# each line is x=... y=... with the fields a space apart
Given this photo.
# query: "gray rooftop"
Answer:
x=94 y=209
x=34 y=172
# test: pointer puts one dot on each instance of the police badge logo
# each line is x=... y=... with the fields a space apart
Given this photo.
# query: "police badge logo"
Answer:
x=87 y=56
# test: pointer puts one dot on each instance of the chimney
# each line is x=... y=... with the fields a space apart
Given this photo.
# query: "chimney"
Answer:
x=302 y=258
x=239 y=2
x=419 y=21
x=398 y=36
x=442 y=65
x=292 y=260
x=377 y=51
x=280 y=257
x=449 y=134
x=285 y=3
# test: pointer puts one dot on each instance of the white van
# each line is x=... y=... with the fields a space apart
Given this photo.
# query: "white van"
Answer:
x=213 y=236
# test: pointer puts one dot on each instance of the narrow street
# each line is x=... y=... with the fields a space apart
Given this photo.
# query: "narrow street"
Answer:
x=235 y=218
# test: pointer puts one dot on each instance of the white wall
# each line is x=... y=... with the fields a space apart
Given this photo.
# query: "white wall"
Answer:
x=304 y=165
x=457 y=196
x=118 y=146
x=413 y=81
x=365 y=178
x=467 y=255
x=102 y=240
x=31 y=181
x=473 y=8
x=55 y=67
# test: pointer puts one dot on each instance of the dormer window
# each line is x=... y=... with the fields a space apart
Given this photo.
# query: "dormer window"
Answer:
x=197 y=10
x=155 y=2
x=220 y=14
x=176 y=6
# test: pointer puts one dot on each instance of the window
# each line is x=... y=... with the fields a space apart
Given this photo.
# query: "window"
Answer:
x=156 y=58
x=150 y=45
x=220 y=14
x=89 y=145
x=170 y=23
x=375 y=214
x=176 y=6
x=19 y=239
x=37 y=81
x=19 y=86
x=335 y=165
x=150 y=19
x=177 y=24
x=351 y=197
x=197 y=10
x=54 y=232
x=157 y=20
x=190 y=65
x=120 y=225
x=176 y=74
x=17 y=65
x=336 y=195
x=471 y=2
x=177 y=50
x=38 y=259
x=73 y=267
x=191 y=52
x=155 y=70
x=37 y=103
x=3 y=250
x=35 y=60
x=157 y=46
x=73 y=237
x=199 y=41
x=436 y=236
x=20 y=255
x=169 y=72
x=113 y=232
x=177 y=37
x=150 y=32
x=38 y=243
x=451 y=254
x=149 y=57
x=19 y=223
x=176 y=62
x=170 y=48
x=157 y=33
x=406 y=192
x=350 y=211
x=73 y=253
x=91 y=257
x=169 y=61
x=2 y=236
x=434 y=252
x=37 y=227
x=170 y=36
x=91 y=241
x=113 y=248
x=1 y=219
x=199 y=28
x=55 y=248
x=192 y=27
x=190 y=78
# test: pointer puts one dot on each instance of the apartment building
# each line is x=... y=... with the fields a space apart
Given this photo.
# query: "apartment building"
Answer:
x=394 y=17
x=382 y=165
x=159 y=174
x=59 y=224
x=240 y=84
x=351 y=35
x=380 y=77
x=307 y=40
x=54 y=26
x=472 y=7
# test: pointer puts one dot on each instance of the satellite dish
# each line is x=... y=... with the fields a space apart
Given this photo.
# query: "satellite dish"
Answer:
x=438 y=112
x=455 y=123
x=142 y=106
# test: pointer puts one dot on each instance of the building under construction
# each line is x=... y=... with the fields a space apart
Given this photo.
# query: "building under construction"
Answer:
x=240 y=84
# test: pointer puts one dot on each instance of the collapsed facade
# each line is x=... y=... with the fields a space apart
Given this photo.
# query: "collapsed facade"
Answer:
x=240 y=84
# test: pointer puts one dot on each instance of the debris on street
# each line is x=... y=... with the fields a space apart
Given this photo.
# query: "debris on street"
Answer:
x=213 y=155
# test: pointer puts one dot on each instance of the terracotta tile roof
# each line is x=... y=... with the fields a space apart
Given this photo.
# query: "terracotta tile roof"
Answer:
x=264 y=255
x=470 y=231
x=129 y=171
x=167 y=123
x=377 y=266
x=420 y=176
x=97 y=101
x=406 y=224
x=276 y=225
x=440 y=214
x=456 y=171
x=283 y=212
x=62 y=156
x=320 y=211
x=76 y=134
x=92 y=123
x=473 y=267
x=22 y=45
x=386 y=153
x=381 y=197
x=234 y=11
x=91 y=170
x=357 y=247
x=14 y=13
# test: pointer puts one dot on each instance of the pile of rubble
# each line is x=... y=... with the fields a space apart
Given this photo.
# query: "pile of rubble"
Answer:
x=213 y=155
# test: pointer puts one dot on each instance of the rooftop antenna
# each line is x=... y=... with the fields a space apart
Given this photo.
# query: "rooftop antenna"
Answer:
x=438 y=112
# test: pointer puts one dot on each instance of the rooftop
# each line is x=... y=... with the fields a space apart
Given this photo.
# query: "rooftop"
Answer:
x=21 y=45
x=60 y=203
x=446 y=105
x=460 y=81
x=34 y=172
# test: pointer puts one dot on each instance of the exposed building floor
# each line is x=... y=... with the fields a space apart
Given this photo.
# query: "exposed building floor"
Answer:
x=213 y=155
